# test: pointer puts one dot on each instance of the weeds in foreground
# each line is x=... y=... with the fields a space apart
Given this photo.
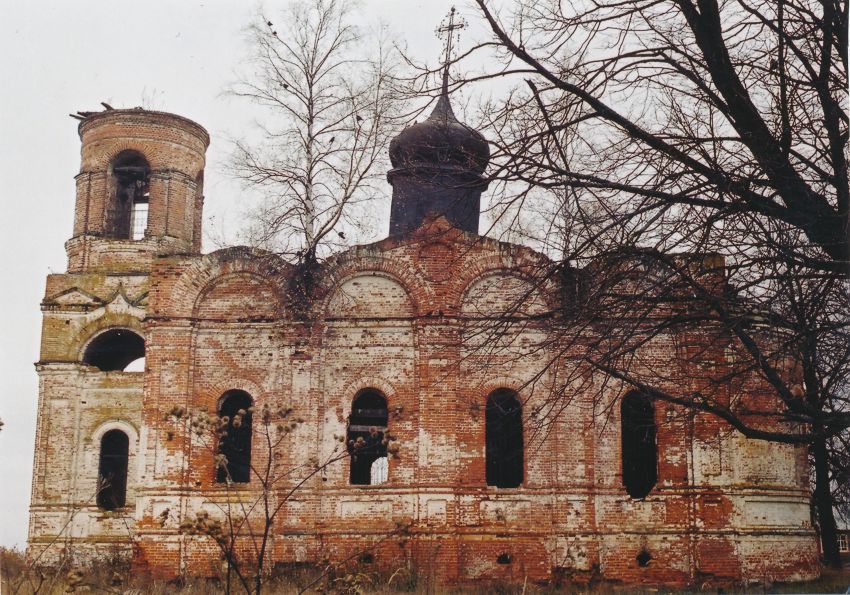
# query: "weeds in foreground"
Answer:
x=354 y=579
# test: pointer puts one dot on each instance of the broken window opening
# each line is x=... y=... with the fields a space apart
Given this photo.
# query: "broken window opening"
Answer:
x=114 y=350
x=139 y=219
x=235 y=441
x=504 y=442
x=367 y=428
x=639 y=449
x=112 y=470
x=127 y=214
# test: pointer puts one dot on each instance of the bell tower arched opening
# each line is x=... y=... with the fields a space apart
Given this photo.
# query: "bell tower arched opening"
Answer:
x=127 y=211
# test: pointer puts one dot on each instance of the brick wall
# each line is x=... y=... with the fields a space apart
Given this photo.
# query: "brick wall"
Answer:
x=411 y=317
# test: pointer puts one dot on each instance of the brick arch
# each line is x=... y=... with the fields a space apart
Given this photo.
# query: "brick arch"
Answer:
x=117 y=424
x=484 y=390
x=538 y=384
x=115 y=154
x=114 y=147
x=418 y=292
x=477 y=394
x=355 y=387
x=516 y=260
x=402 y=306
x=109 y=320
x=209 y=397
x=219 y=298
x=147 y=147
x=504 y=272
x=184 y=293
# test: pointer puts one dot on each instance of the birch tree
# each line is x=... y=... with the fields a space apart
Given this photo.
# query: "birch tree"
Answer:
x=330 y=110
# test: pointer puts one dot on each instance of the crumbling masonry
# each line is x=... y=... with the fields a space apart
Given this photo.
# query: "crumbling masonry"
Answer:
x=388 y=343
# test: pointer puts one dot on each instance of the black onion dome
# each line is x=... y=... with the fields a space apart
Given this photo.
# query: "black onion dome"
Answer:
x=441 y=140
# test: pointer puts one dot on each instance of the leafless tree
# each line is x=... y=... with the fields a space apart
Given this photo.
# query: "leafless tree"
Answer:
x=331 y=110
x=242 y=527
x=243 y=524
x=689 y=158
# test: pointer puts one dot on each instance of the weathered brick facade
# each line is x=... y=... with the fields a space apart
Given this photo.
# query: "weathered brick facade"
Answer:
x=408 y=317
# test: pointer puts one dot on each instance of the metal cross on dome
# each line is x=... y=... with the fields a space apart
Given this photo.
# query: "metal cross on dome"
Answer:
x=446 y=31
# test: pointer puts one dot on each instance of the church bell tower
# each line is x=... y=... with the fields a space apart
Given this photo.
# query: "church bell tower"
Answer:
x=139 y=190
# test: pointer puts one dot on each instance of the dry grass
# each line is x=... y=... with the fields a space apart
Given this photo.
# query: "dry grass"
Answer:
x=116 y=578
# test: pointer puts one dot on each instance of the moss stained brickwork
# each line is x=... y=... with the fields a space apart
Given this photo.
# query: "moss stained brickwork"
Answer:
x=407 y=317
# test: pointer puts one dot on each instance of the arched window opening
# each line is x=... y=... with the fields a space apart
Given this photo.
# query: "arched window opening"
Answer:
x=235 y=441
x=639 y=449
x=505 y=457
x=114 y=349
x=127 y=216
x=112 y=470
x=367 y=426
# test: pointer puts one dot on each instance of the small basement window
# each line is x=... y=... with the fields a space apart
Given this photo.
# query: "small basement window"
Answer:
x=367 y=427
x=115 y=349
x=112 y=470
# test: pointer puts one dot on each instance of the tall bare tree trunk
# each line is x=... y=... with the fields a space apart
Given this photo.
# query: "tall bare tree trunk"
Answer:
x=822 y=498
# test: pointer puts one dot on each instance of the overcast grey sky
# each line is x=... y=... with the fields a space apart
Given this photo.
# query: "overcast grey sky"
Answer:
x=59 y=57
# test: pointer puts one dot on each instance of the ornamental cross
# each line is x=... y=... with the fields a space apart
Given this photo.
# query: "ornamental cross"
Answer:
x=447 y=30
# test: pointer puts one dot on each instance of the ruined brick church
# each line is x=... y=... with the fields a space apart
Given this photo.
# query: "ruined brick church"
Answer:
x=143 y=324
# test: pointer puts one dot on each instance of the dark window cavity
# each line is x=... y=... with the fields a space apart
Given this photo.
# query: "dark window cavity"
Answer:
x=114 y=349
x=504 y=440
x=639 y=450
x=367 y=426
x=112 y=470
x=235 y=441
x=127 y=214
